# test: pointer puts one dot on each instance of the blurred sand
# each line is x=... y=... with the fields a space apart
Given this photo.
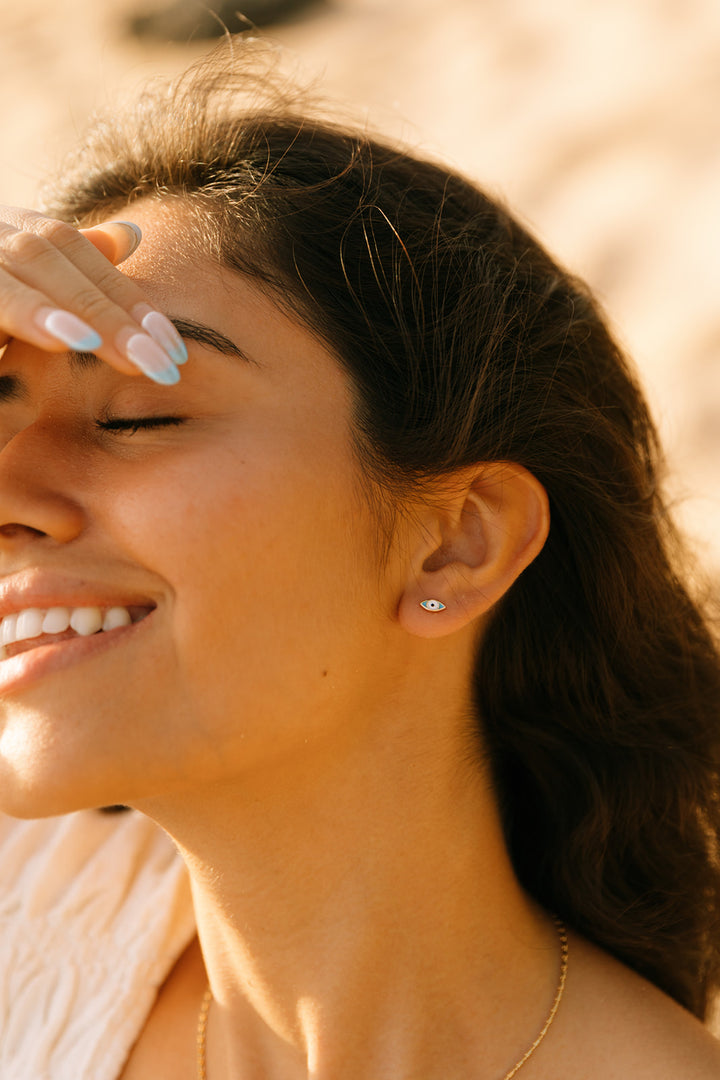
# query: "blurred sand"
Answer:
x=599 y=120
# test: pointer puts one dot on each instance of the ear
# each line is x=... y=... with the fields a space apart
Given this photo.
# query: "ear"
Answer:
x=479 y=536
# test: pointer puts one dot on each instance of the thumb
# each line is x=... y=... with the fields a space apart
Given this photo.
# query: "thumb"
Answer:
x=116 y=240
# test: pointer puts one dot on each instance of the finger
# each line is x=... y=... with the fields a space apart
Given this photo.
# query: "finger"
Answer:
x=118 y=288
x=72 y=275
x=31 y=316
x=120 y=238
x=116 y=240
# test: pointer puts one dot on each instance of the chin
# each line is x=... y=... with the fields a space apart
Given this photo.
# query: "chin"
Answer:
x=27 y=803
x=50 y=766
x=36 y=792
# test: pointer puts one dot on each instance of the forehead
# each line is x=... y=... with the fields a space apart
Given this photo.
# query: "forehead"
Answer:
x=178 y=267
x=177 y=272
x=224 y=312
x=174 y=255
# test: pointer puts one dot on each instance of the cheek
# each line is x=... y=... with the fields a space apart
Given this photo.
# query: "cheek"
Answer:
x=261 y=560
x=269 y=606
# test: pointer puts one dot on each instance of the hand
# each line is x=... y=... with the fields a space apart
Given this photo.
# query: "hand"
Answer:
x=59 y=290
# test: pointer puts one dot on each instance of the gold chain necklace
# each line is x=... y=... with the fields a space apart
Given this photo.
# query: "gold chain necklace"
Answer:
x=564 y=950
x=202 y=1033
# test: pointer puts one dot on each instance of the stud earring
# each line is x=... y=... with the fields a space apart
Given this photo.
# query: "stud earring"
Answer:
x=432 y=605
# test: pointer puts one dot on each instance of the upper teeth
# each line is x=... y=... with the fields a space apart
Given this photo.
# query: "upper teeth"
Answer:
x=32 y=622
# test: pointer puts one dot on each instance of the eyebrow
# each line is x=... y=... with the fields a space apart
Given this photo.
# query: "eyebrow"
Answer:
x=191 y=331
x=206 y=335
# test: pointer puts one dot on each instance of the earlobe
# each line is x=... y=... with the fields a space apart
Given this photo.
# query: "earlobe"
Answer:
x=490 y=530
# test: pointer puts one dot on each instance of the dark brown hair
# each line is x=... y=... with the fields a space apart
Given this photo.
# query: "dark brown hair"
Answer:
x=598 y=682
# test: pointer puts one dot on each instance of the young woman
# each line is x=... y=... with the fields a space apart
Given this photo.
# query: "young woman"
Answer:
x=374 y=606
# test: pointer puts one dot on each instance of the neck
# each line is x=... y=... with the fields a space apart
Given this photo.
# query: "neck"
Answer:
x=358 y=913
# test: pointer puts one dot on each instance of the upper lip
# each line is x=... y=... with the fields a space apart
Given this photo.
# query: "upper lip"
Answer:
x=32 y=590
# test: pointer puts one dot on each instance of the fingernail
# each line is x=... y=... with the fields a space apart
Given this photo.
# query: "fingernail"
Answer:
x=162 y=330
x=134 y=235
x=67 y=328
x=151 y=359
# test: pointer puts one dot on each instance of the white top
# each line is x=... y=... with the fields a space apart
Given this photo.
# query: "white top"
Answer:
x=94 y=911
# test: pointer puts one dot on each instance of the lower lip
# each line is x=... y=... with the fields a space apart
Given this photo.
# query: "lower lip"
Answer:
x=19 y=671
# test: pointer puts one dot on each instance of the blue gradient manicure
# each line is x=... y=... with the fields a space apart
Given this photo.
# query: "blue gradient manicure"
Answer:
x=164 y=333
x=86 y=344
x=153 y=361
x=166 y=378
x=178 y=356
x=72 y=331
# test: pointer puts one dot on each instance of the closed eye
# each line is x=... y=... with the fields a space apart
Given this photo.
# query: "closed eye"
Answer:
x=129 y=425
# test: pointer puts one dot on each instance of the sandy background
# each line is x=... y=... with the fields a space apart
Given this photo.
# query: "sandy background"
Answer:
x=598 y=119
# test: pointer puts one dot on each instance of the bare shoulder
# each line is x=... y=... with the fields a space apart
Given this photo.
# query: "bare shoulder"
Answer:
x=618 y=1026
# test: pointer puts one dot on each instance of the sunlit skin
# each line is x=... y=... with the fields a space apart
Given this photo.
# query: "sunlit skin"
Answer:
x=233 y=523
x=288 y=712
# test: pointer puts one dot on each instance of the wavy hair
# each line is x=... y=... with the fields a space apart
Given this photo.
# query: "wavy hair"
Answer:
x=598 y=680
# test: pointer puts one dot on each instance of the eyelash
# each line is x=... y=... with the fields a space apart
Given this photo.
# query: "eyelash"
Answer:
x=131 y=425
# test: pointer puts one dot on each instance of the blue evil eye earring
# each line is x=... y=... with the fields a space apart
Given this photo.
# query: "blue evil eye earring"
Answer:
x=432 y=605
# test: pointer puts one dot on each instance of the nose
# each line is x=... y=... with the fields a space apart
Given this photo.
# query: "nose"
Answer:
x=35 y=503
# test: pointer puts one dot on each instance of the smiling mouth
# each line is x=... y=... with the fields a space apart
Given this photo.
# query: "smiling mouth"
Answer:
x=34 y=627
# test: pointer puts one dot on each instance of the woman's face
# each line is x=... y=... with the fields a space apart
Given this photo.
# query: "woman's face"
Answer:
x=235 y=526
